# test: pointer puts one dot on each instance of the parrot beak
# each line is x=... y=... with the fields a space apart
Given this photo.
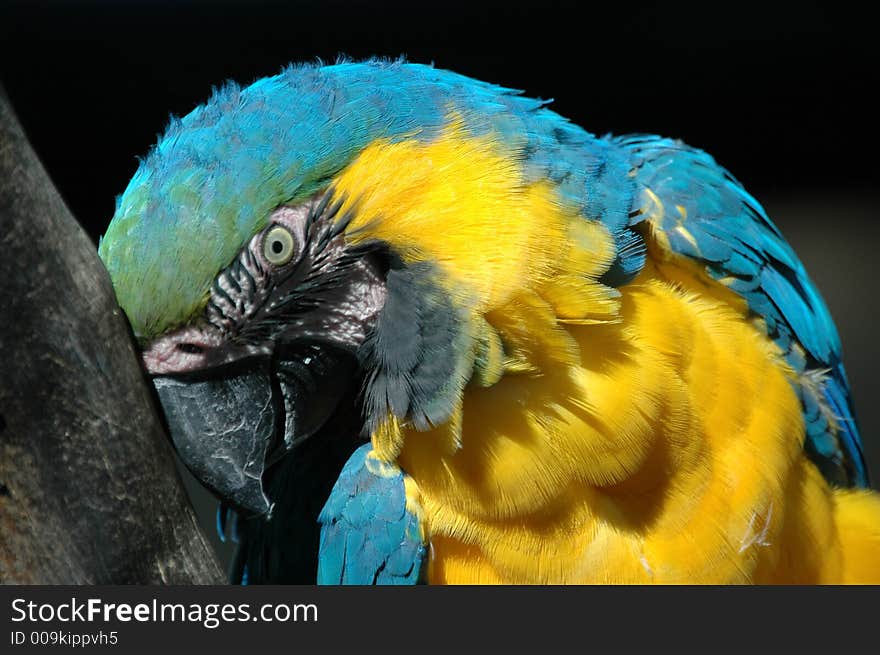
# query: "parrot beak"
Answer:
x=230 y=425
x=223 y=427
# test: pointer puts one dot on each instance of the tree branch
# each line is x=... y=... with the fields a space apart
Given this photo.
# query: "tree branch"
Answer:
x=88 y=489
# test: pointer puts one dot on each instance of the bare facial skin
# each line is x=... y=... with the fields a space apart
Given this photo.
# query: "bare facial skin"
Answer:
x=325 y=292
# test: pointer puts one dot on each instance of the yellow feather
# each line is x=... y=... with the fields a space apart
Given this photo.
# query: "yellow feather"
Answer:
x=461 y=203
x=388 y=439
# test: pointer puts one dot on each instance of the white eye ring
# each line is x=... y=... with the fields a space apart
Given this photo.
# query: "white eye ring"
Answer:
x=278 y=246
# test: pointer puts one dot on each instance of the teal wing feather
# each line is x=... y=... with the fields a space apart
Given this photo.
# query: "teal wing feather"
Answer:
x=368 y=536
x=708 y=216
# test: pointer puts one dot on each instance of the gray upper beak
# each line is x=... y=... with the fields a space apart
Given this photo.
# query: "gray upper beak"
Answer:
x=230 y=424
x=223 y=428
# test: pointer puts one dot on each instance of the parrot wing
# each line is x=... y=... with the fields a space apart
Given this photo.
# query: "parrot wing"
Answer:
x=368 y=535
x=705 y=215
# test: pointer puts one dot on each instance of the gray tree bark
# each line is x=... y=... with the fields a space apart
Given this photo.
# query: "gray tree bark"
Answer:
x=88 y=489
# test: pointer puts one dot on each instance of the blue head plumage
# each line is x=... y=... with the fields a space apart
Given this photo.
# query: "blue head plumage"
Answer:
x=217 y=173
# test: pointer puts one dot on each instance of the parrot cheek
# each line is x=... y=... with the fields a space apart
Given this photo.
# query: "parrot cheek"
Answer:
x=223 y=427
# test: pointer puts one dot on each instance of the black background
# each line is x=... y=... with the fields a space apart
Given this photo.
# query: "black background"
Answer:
x=783 y=95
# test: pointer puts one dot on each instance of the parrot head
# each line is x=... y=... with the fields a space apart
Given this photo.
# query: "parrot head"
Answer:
x=265 y=362
x=345 y=232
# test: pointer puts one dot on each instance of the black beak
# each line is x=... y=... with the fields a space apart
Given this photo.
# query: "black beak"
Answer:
x=223 y=428
x=230 y=425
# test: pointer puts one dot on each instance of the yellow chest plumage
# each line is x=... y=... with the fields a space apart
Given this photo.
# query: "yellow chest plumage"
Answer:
x=670 y=452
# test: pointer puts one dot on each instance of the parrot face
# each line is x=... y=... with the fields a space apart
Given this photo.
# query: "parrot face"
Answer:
x=262 y=368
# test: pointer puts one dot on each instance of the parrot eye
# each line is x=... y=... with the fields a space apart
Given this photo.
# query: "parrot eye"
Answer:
x=278 y=246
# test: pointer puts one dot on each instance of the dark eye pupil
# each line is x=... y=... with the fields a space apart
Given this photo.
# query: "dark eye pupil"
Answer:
x=277 y=247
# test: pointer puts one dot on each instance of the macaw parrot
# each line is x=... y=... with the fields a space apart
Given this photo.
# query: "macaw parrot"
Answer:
x=412 y=327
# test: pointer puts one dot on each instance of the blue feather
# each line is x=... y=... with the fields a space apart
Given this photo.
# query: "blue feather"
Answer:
x=729 y=232
x=368 y=536
x=222 y=512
